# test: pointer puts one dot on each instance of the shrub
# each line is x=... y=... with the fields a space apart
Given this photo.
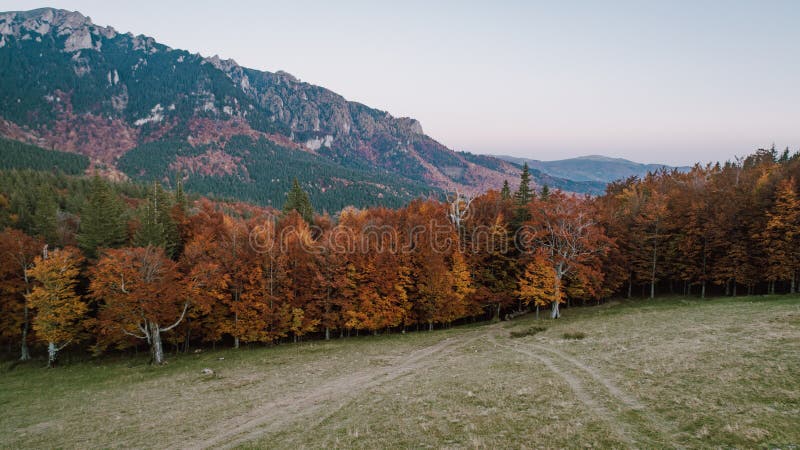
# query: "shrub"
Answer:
x=527 y=332
x=574 y=335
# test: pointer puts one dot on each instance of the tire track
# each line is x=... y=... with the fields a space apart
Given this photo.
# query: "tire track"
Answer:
x=614 y=405
x=654 y=422
x=615 y=391
x=281 y=412
x=621 y=429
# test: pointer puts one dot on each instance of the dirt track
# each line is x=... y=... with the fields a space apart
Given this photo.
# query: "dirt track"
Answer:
x=324 y=399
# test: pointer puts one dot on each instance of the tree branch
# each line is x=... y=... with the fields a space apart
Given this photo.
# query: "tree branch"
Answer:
x=185 y=307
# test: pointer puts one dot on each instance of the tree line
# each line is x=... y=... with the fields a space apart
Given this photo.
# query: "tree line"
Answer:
x=150 y=267
x=726 y=229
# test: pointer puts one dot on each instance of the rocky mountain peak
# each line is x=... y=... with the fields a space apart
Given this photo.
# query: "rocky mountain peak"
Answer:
x=225 y=65
x=78 y=29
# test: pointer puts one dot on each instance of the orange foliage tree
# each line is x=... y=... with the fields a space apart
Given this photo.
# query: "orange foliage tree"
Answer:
x=141 y=295
x=781 y=236
x=563 y=232
x=17 y=253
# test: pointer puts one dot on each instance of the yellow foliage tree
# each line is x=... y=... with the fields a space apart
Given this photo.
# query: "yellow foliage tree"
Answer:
x=538 y=284
x=59 y=309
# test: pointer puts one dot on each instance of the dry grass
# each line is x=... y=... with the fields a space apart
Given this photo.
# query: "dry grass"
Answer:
x=665 y=373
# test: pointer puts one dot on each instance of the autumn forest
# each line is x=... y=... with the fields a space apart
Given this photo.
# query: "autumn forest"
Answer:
x=157 y=269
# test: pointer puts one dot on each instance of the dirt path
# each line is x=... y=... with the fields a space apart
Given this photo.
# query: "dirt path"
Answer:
x=612 y=389
x=617 y=407
x=322 y=400
x=600 y=410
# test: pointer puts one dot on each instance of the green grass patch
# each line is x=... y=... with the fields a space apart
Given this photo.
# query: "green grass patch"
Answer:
x=574 y=335
x=530 y=331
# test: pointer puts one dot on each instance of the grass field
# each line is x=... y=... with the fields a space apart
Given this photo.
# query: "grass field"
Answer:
x=664 y=373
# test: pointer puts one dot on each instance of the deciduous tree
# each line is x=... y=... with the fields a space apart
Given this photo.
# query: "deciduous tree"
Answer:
x=141 y=295
x=17 y=254
x=59 y=309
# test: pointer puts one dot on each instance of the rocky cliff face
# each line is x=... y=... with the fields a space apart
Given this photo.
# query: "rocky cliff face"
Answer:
x=69 y=84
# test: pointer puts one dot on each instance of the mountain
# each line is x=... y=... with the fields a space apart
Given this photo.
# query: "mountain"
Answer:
x=591 y=168
x=142 y=110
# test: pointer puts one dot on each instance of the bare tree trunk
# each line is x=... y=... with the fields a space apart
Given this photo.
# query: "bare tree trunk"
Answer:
x=156 y=349
x=24 y=354
x=793 y=287
x=236 y=330
x=327 y=333
x=703 y=290
x=188 y=335
x=653 y=272
x=630 y=286
x=52 y=352
x=555 y=314
x=734 y=288
x=430 y=326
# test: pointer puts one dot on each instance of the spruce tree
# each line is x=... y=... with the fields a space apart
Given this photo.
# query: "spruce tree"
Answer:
x=545 y=192
x=505 y=193
x=44 y=218
x=156 y=226
x=102 y=220
x=297 y=200
x=522 y=197
x=181 y=203
x=178 y=213
x=523 y=194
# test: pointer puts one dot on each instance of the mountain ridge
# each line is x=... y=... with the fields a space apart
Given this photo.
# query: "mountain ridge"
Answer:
x=122 y=99
x=591 y=168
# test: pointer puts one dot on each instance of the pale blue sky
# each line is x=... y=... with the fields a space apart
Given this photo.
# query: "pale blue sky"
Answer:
x=668 y=81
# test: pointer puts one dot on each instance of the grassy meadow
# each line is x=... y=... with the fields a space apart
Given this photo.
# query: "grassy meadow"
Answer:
x=663 y=373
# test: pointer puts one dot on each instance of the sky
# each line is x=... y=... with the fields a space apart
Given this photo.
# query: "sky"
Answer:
x=672 y=82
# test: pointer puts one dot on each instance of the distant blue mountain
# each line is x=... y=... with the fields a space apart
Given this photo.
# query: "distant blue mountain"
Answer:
x=591 y=168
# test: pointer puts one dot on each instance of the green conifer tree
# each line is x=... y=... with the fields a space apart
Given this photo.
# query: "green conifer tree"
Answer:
x=545 y=192
x=156 y=226
x=297 y=200
x=505 y=193
x=44 y=217
x=103 y=222
x=522 y=197
x=523 y=194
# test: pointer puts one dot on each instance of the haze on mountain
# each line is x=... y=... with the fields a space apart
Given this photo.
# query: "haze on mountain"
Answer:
x=596 y=168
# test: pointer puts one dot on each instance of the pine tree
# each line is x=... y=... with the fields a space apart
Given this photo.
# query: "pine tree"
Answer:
x=102 y=221
x=44 y=216
x=524 y=193
x=156 y=225
x=522 y=197
x=179 y=216
x=181 y=202
x=505 y=193
x=297 y=200
x=545 y=192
